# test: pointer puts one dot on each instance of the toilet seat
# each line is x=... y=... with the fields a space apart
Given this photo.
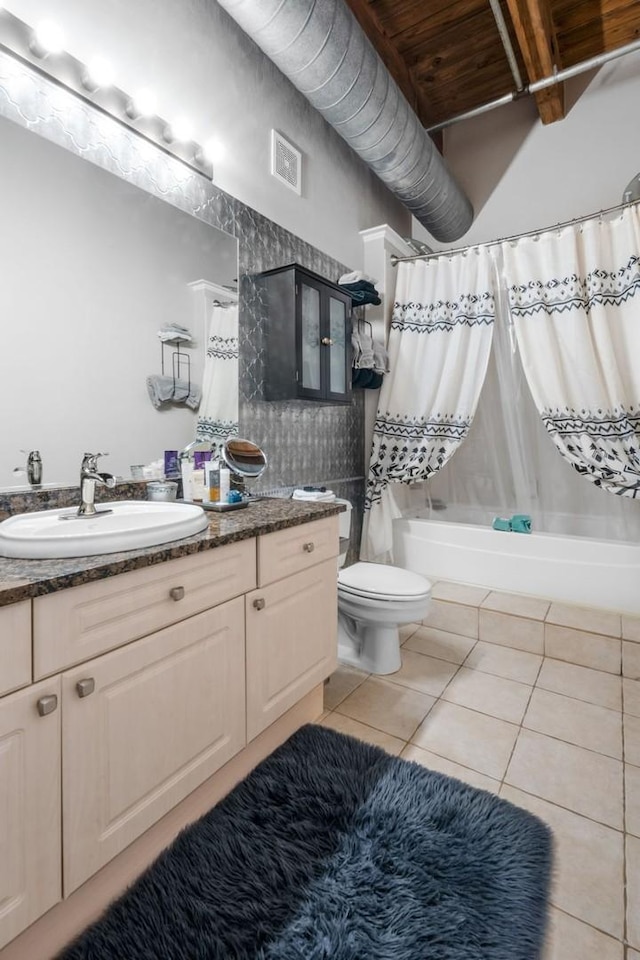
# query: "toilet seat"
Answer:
x=380 y=581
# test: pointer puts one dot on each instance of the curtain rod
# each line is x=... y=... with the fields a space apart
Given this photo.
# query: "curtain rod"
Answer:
x=436 y=254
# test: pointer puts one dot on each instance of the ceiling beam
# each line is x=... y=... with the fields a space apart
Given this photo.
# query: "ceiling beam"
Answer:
x=536 y=38
x=393 y=60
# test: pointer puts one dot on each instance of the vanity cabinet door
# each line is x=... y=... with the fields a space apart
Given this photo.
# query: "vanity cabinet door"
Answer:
x=291 y=642
x=30 y=857
x=143 y=726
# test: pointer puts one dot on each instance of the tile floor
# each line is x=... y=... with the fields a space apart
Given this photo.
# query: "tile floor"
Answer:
x=563 y=741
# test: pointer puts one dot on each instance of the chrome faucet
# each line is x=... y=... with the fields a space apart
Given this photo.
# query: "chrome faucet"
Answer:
x=34 y=468
x=89 y=476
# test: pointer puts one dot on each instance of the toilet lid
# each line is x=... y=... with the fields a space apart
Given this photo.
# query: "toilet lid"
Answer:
x=382 y=581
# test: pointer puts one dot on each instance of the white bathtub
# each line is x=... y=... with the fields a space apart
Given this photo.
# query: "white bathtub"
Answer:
x=593 y=573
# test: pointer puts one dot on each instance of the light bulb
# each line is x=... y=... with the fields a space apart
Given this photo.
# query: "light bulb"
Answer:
x=214 y=150
x=182 y=129
x=142 y=104
x=47 y=38
x=99 y=73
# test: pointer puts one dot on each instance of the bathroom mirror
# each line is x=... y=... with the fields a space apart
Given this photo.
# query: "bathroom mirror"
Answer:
x=92 y=267
x=244 y=458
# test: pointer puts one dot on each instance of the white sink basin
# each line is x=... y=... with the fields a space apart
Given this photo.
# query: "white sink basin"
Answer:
x=132 y=524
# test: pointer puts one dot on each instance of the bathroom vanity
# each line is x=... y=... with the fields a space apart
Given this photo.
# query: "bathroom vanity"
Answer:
x=136 y=689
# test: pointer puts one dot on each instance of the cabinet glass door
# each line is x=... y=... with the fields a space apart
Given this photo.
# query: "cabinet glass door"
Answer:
x=338 y=348
x=310 y=338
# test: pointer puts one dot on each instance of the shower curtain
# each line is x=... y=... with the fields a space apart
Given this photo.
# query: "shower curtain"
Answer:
x=574 y=297
x=439 y=347
x=218 y=413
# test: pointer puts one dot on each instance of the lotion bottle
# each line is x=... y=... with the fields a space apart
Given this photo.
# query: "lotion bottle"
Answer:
x=225 y=482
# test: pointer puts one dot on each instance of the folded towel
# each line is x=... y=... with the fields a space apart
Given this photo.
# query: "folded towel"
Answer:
x=380 y=358
x=175 y=331
x=316 y=496
x=167 y=390
x=360 y=297
x=355 y=276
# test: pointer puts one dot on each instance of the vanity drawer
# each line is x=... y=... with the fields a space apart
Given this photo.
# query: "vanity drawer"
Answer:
x=15 y=646
x=74 y=625
x=288 y=551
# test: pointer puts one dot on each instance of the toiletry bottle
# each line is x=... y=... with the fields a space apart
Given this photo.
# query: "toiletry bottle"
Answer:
x=186 y=471
x=197 y=477
x=225 y=481
x=213 y=481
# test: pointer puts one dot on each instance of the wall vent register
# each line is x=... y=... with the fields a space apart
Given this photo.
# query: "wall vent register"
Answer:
x=286 y=162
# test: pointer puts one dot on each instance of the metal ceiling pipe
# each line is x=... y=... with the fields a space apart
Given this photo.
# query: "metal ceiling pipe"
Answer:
x=321 y=48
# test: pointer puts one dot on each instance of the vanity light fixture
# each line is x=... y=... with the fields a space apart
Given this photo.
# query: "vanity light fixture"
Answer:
x=93 y=83
x=47 y=38
x=213 y=151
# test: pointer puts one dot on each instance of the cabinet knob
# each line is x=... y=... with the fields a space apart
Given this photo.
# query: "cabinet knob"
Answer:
x=326 y=342
x=260 y=603
x=85 y=687
x=308 y=547
x=176 y=593
x=47 y=705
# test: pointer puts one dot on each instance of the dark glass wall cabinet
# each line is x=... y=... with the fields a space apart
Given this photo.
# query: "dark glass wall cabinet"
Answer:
x=307 y=336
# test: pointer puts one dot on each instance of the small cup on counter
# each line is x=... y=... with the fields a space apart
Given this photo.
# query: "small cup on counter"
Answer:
x=162 y=490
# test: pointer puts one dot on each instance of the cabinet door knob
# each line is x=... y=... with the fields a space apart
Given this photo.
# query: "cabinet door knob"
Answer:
x=327 y=342
x=47 y=705
x=176 y=593
x=260 y=603
x=85 y=687
x=308 y=547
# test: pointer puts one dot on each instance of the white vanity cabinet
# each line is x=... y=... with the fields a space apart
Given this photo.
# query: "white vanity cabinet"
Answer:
x=30 y=864
x=143 y=686
x=291 y=619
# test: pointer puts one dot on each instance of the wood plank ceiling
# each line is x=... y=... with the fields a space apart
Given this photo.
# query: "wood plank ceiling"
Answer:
x=448 y=58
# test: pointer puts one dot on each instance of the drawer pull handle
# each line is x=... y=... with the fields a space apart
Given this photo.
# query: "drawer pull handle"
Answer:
x=85 y=687
x=260 y=603
x=176 y=593
x=309 y=547
x=47 y=705
x=326 y=342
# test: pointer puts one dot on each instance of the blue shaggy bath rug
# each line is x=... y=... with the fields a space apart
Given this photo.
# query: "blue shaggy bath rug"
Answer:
x=331 y=848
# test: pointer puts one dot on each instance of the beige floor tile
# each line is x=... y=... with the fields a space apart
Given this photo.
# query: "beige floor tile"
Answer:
x=495 y=696
x=631 y=690
x=336 y=721
x=588 y=864
x=632 y=740
x=408 y=630
x=509 y=631
x=586 y=649
x=453 y=617
x=631 y=628
x=440 y=644
x=341 y=683
x=632 y=800
x=570 y=776
x=504 y=662
x=469 y=738
x=633 y=891
x=450 y=769
x=582 y=683
x=632 y=954
x=533 y=608
x=571 y=939
x=585 y=724
x=459 y=593
x=631 y=660
x=426 y=674
x=585 y=618
x=387 y=706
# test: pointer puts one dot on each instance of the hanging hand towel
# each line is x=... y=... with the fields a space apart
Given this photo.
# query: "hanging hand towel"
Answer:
x=163 y=390
x=380 y=358
x=355 y=277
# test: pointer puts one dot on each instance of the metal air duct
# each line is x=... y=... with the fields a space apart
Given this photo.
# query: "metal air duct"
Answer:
x=320 y=47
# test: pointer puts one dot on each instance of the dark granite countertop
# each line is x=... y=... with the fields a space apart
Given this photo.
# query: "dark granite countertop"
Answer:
x=22 y=579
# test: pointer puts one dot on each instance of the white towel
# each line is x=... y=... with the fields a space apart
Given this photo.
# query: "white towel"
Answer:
x=380 y=358
x=315 y=496
x=356 y=276
x=167 y=390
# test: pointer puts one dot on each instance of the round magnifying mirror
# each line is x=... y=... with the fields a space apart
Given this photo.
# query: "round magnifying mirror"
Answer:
x=244 y=458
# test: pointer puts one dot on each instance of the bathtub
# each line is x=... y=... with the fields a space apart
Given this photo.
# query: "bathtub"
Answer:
x=592 y=573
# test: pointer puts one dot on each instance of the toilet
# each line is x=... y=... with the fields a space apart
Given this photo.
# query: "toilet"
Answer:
x=374 y=601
